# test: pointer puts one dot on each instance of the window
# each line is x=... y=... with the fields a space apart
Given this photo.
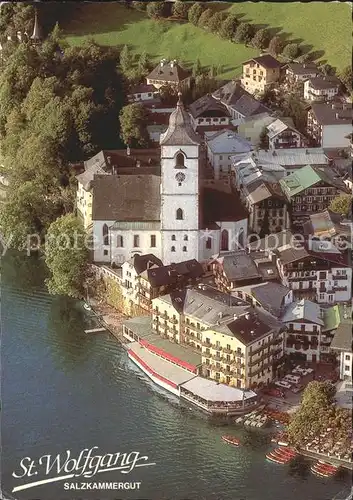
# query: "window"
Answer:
x=220 y=157
x=322 y=296
x=209 y=243
x=105 y=252
x=105 y=231
x=180 y=160
x=185 y=249
x=186 y=237
x=136 y=240
x=119 y=241
x=179 y=214
x=347 y=357
x=153 y=240
x=346 y=368
x=173 y=249
x=173 y=237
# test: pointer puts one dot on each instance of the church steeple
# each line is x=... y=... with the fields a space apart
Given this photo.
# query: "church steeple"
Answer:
x=180 y=131
x=37 y=34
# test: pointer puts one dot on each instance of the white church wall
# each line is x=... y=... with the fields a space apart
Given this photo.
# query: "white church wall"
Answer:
x=178 y=249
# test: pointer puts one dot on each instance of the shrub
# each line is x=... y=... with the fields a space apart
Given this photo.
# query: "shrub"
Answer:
x=194 y=13
x=291 y=51
x=155 y=10
x=215 y=23
x=180 y=9
x=276 y=45
x=228 y=27
x=261 y=39
x=205 y=18
x=244 y=33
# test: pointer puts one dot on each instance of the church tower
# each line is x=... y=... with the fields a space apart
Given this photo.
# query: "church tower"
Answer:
x=36 y=37
x=180 y=153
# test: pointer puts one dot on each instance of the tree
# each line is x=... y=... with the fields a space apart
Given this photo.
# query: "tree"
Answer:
x=276 y=45
x=312 y=418
x=125 y=59
x=261 y=39
x=139 y=6
x=228 y=27
x=180 y=9
x=291 y=51
x=66 y=256
x=155 y=10
x=205 y=18
x=133 y=125
x=216 y=21
x=212 y=72
x=327 y=70
x=194 y=13
x=345 y=76
x=197 y=68
x=143 y=64
x=244 y=33
x=342 y=205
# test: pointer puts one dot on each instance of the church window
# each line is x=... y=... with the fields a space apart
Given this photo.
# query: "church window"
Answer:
x=224 y=240
x=119 y=241
x=105 y=235
x=136 y=240
x=185 y=249
x=105 y=252
x=180 y=160
x=179 y=214
x=186 y=237
x=173 y=249
x=153 y=240
x=173 y=237
x=208 y=243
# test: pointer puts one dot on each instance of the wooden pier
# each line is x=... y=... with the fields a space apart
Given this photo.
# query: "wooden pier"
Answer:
x=96 y=330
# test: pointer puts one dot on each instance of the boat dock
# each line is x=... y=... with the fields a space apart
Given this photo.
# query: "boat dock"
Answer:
x=96 y=330
x=327 y=458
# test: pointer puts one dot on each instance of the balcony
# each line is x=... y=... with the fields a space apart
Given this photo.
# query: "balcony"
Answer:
x=258 y=360
x=259 y=370
x=260 y=348
x=228 y=351
x=174 y=321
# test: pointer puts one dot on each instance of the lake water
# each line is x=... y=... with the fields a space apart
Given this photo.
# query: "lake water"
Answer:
x=65 y=390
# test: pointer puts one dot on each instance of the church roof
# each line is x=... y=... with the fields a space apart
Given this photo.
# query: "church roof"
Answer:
x=180 y=130
x=37 y=32
x=126 y=198
x=220 y=203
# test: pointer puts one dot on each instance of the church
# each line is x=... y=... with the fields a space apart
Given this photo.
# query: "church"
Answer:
x=175 y=213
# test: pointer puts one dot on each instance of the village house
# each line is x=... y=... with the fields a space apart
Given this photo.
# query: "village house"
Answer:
x=224 y=147
x=321 y=88
x=296 y=72
x=144 y=278
x=292 y=159
x=240 y=103
x=309 y=330
x=329 y=125
x=208 y=113
x=282 y=134
x=252 y=128
x=341 y=345
x=321 y=273
x=261 y=193
x=260 y=73
x=309 y=190
x=329 y=226
x=234 y=269
x=169 y=73
x=143 y=92
x=238 y=346
x=270 y=296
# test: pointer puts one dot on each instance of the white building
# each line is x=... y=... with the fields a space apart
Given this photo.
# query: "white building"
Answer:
x=297 y=72
x=172 y=216
x=342 y=345
x=223 y=148
x=207 y=112
x=282 y=134
x=330 y=125
x=321 y=88
x=142 y=93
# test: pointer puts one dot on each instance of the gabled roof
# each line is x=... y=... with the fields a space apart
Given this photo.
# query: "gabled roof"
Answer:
x=323 y=83
x=342 y=341
x=172 y=274
x=238 y=265
x=303 y=310
x=228 y=142
x=233 y=95
x=294 y=156
x=206 y=106
x=303 y=69
x=332 y=114
x=267 y=61
x=143 y=262
x=326 y=223
x=220 y=203
x=269 y=294
x=169 y=72
x=280 y=125
x=126 y=198
x=308 y=176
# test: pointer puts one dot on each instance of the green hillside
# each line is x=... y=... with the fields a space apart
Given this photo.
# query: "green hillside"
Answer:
x=321 y=27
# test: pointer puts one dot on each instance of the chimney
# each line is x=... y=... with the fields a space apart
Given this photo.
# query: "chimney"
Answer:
x=128 y=151
x=138 y=164
x=304 y=65
x=235 y=317
x=247 y=316
x=162 y=63
x=172 y=64
x=109 y=160
x=337 y=116
x=220 y=315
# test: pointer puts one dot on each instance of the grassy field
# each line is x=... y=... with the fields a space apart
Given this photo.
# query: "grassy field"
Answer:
x=323 y=28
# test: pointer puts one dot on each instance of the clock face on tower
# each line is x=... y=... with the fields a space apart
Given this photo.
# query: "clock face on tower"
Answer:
x=180 y=177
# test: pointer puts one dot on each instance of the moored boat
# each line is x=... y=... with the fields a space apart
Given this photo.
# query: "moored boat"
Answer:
x=276 y=459
x=231 y=440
